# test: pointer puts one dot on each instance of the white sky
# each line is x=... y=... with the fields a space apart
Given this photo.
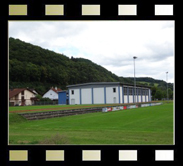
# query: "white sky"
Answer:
x=111 y=44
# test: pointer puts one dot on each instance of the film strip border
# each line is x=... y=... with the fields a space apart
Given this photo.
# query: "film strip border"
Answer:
x=89 y=10
x=100 y=154
x=90 y=155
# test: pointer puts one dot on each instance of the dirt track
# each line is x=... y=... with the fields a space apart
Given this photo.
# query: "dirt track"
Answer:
x=66 y=108
x=61 y=108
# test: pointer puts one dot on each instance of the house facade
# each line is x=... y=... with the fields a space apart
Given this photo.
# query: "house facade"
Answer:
x=21 y=96
x=52 y=93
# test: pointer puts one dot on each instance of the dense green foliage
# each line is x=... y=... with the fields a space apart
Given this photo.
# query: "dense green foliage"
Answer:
x=152 y=82
x=34 y=67
x=145 y=125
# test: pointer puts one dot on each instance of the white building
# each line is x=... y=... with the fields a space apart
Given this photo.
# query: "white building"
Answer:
x=52 y=93
x=107 y=93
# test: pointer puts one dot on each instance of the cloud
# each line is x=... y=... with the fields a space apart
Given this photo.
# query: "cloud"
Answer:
x=160 y=51
x=47 y=34
x=168 y=24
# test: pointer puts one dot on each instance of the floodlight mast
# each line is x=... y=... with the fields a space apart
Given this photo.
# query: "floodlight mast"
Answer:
x=134 y=79
x=167 y=83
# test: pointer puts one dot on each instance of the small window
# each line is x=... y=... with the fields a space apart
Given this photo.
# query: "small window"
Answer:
x=22 y=92
x=125 y=90
x=130 y=91
x=72 y=92
x=114 y=90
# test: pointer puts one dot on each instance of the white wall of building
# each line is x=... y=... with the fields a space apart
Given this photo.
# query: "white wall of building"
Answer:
x=125 y=99
x=146 y=98
x=86 y=96
x=112 y=97
x=143 y=98
x=130 y=98
x=74 y=98
x=27 y=97
x=139 y=97
x=135 y=98
x=16 y=99
x=98 y=95
x=51 y=95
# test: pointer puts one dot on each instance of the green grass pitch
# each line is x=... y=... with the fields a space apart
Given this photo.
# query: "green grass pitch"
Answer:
x=141 y=126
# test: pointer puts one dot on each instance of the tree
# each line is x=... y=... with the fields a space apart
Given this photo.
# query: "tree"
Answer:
x=158 y=94
x=170 y=93
x=45 y=99
x=153 y=91
x=38 y=96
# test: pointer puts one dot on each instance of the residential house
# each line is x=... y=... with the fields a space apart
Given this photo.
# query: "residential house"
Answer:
x=21 y=96
x=52 y=93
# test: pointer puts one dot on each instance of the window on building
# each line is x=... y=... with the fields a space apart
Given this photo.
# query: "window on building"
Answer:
x=136 y=91
x=114 y=90
x=130 y=91
x=72 y=92
x=147 y=92
x=139 y=91
x=125 y=90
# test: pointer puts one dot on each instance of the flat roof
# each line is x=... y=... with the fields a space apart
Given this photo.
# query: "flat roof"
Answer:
x=94 y=83
x=107 y=83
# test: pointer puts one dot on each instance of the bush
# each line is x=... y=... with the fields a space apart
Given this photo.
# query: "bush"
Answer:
x=45 y=99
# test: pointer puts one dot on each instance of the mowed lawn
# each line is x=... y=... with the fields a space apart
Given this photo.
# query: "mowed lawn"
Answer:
x=146 y=125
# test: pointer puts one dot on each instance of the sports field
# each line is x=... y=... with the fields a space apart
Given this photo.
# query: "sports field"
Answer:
x=146 y=125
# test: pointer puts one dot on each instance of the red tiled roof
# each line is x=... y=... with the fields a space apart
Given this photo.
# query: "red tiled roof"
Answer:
x=56 y=90
x=14 y=92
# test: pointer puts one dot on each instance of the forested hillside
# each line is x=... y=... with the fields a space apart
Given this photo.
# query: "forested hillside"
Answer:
x=34 y=67
x=152 y=82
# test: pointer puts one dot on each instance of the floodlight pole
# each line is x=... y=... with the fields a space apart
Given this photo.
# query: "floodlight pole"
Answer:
x=134 y=80
x=167 y=83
